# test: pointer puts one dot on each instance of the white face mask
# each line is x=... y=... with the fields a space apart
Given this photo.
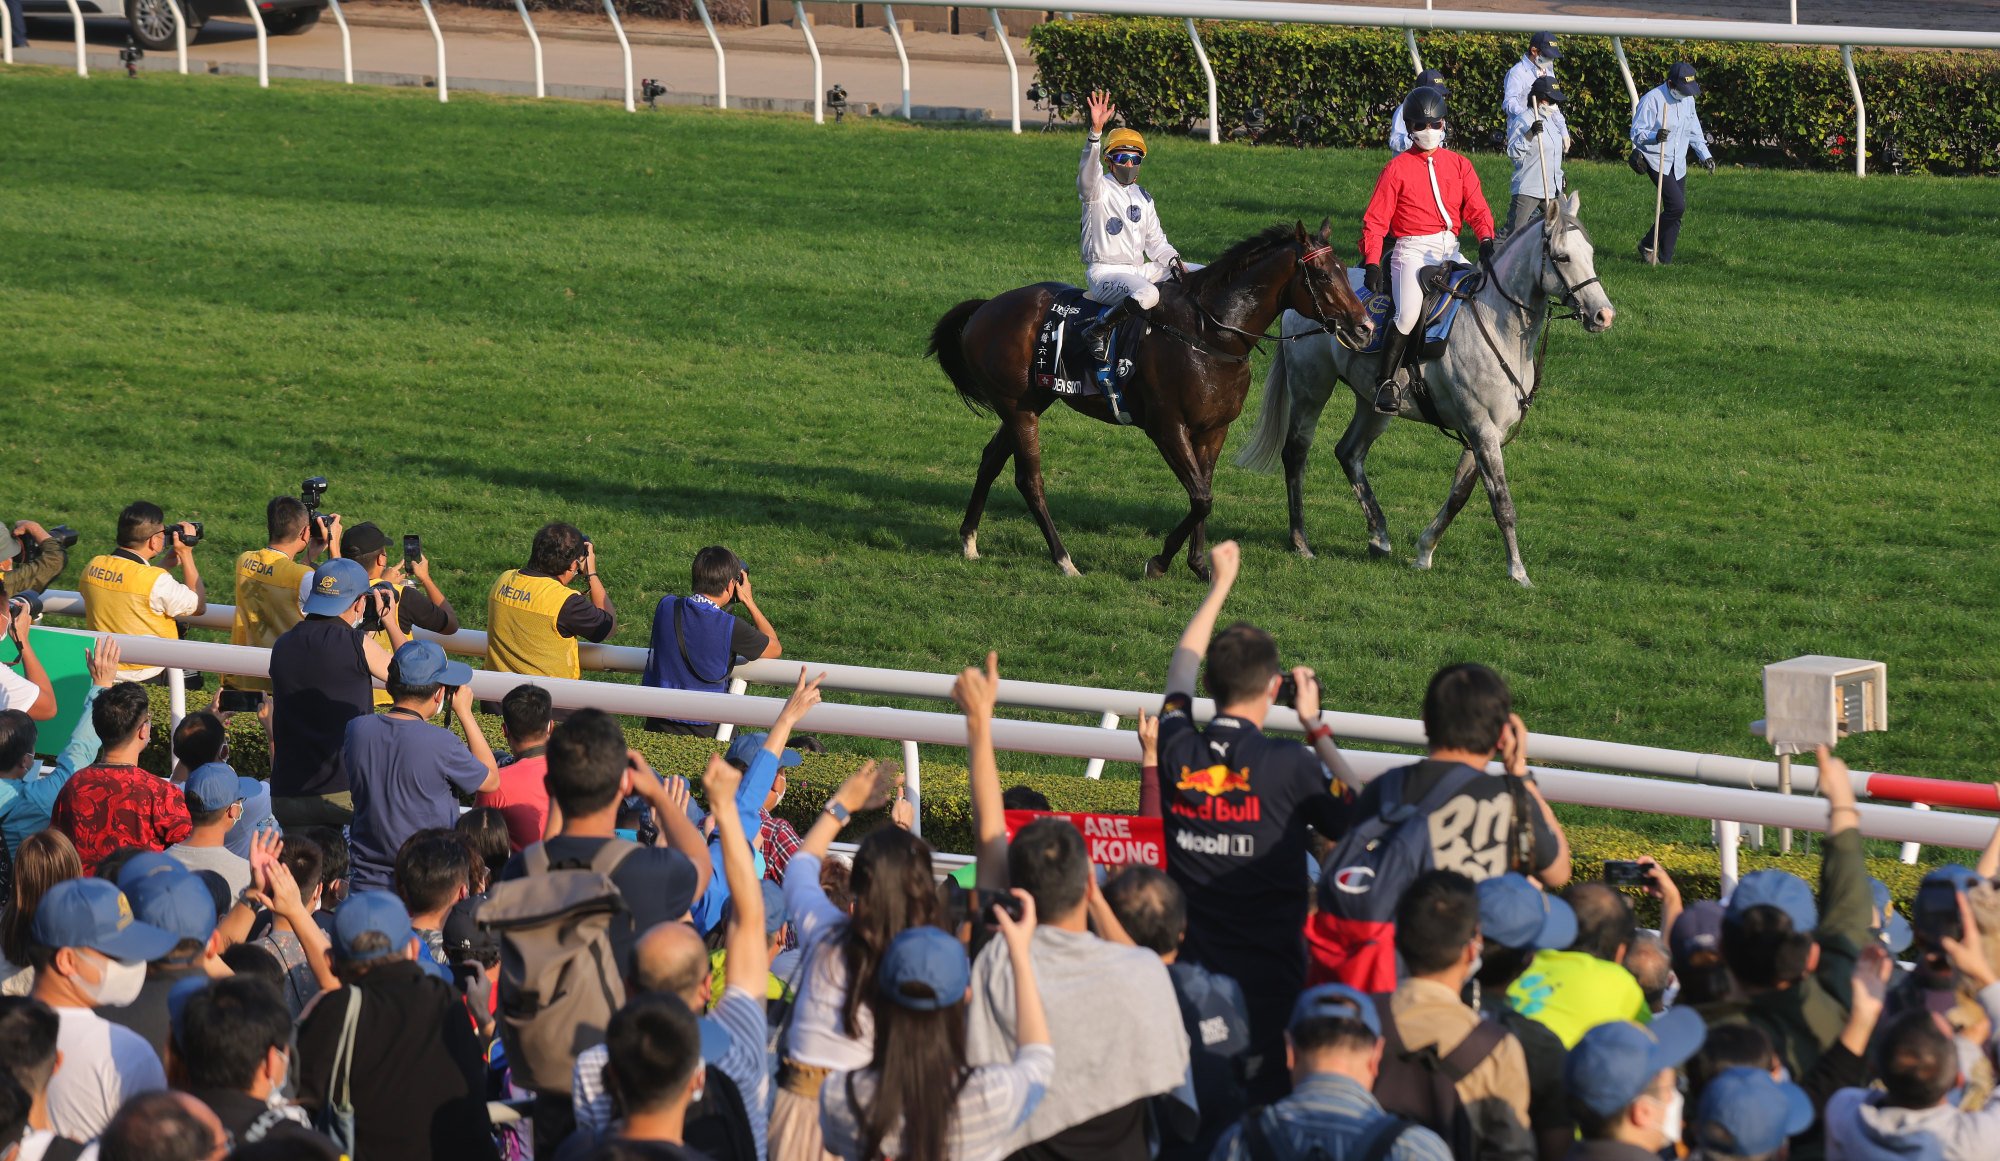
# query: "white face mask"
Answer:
x=1428 y=138
x=1544 y=110
x=1671 y=1123
x=118 y=986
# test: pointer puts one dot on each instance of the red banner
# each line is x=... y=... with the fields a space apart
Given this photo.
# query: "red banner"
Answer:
x=1115 y=840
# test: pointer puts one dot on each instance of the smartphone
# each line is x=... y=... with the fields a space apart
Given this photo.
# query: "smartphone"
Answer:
x=1007 y=901
x=413 y=549
x=1624 y=872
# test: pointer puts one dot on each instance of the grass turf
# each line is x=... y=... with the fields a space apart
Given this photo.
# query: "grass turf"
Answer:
x=687 y=328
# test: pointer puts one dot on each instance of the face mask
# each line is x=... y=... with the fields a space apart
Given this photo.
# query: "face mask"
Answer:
x=33 y=771
x=1428 y=138
x=1544 y=110
x=1676 y=98
x=118 y=986
x=1671 y=1124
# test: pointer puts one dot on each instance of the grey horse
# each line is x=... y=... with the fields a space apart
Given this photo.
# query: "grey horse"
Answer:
x=1480 y=385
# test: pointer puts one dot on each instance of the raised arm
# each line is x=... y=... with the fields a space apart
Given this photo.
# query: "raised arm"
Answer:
x=1031 y=1024
x=670 y=812
x=976 y=691
x=855 y=795
x=44 y=706
x=1090 y=173
x=1318 y=734
x=744 y=948
x=1514 y=756
x=1224 y=559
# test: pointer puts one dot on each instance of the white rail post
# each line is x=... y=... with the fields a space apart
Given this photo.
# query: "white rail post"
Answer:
x=1096 y=767
x=1013 y=71
x=76 y=21
x=819 y=72
x=1860 y=110
x=1416 y=58
x=177 y=698
x=1912 y=850
x=263 y=45
x=437 y=36
x=1625 y=70
x=896 y=33
x=7 y=36
x=725 y=731
x=535 y=39
x=1795 y=11
x=721 y=65
x=346 y=42
x=913 y=788
x=1727 y=836
x=1784 y=787
x=180 y=36
x=1201 y=54
x=625 y=47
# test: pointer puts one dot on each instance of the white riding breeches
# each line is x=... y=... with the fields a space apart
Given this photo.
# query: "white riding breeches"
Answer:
x=1407 y=261
x=1112 y=284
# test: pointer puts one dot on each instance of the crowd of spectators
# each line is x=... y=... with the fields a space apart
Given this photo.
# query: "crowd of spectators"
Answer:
x=591 y=962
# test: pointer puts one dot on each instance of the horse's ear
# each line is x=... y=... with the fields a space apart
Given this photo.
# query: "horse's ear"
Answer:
x=1573 y=202
x=1301 y=228
x=1325 y=230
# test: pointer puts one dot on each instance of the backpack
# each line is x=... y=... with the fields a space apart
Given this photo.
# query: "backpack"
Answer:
x=1261 y=1143
x=1423 y=1086
x=1352 y=936
x=559 y=979
x=718 y=1124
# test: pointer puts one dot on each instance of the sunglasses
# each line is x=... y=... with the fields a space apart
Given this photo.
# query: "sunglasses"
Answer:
x=1437 y=124
x=1126 y=158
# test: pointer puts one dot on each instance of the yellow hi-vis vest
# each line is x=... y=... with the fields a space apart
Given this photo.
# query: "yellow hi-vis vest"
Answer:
x=118 y=598
x=521 y=632
x=267 y=604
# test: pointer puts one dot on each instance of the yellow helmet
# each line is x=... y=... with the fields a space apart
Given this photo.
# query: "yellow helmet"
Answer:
x=1124 y=139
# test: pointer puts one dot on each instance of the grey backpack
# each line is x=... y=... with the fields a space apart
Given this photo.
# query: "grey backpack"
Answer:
x=559 y=980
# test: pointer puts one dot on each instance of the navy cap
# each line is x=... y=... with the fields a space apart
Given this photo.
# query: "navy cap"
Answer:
x=925 y=955
x=1515 y=913
x=1614 y=1063
x=1546 y=42
x=1432 y=79
x=94 y=914
x=745 y=746
x=425 y=663
x=1896 y=931
x=1958 y=875
x=336 y=585
x=1335 y=1001
x=366 y=913
x=1773 y=888
x=216 y=785
x=1681 y=80
x=146 y=863
x=1744 y=1113
x=1698 y=929
x=1544 y=89
x=178 y=903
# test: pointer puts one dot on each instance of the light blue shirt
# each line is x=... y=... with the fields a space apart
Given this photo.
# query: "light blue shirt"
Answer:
x=750 y=795
x=1399 y=135
x=1528 y=168
x=1521 y=78
x=1333 y=1112
x=26 y=804
x=1658 y=109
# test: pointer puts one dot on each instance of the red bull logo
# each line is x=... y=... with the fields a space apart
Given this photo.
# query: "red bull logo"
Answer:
x=1214 y=781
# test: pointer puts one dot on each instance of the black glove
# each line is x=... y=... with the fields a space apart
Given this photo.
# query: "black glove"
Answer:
x=1708 y=163
x=1535 y=130
x=1372 y=278
x=1486 y=249
x=1658 y=137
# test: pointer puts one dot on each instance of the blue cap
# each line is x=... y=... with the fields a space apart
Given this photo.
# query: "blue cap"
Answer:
x=216 y=786
x=745 y=746
x=425 y=663
x=1896 y=931
x=1337 y=1001
x=1781 y=889
x=178 y=903
x=146 y=863
x=1615 y=1062
x=1546 y=41
x=776 y=914
x=925 y=955
x=94 y=914
x=1681 y=80
x=371 y=912
x=1514 y=913
x=1744 y=1113
x=1698 y=929
x=1960 y=876
x=336 y=585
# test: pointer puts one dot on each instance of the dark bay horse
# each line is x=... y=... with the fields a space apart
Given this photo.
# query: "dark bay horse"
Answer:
x=1192 y=372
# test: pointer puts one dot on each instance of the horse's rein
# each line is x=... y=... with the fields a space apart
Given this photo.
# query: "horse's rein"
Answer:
x=1255 y=339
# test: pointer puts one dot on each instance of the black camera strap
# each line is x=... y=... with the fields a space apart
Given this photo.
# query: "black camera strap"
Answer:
x=680 y=639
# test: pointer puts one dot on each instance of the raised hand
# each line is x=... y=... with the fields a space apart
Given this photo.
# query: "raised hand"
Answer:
x=805 y=695
x=1226 y=559
x=1101 y=110
x=1514 y=746
x=1149 y=739
x=104 y=662
x=976 y=691
x=1017 y=932
x=719 y=782
x=862 y=790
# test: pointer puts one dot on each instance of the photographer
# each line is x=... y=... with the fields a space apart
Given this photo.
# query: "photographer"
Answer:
x=124 y=592
x=533 y=617
x=31 y=557
x=271 y=587
x=697 y=641
x=418 y=606
x=29 y=690
x=320 y=671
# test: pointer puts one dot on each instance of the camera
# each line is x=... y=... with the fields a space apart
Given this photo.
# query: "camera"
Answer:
x=29 y=600
x=64 y=535
x=130 y=56
x=380 y=594
x=310 y=493
x=1303 y=127
x=651 y=91
x=1288 y=690
x=836 y=99
x=413 y=549
x=1058 y=103
x=1624 y=872
x=176 y=536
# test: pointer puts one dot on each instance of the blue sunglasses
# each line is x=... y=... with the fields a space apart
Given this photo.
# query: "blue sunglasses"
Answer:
x=1124 y=158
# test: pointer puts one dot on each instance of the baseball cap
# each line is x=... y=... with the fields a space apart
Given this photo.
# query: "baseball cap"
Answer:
x=425 y=663
x=925 y=955
x=1335 y=1001
x=1615 y=1062
x=1698 y=929
x=1895 y=928
x=745 y=746
x=147 y=863
x=1773 y=888
x=1681 y=80
x=1514 y=913
x=178 y=903
x=94 y=914
x=371 y=913
x=1544 y=89
x=1432 y=79
x=1744 y=1113
x=336 y=585
x=215 y=785
x=362 y=539
x=464 y=938
x=10 y=545
x=1546 y=42
x=1958 y=875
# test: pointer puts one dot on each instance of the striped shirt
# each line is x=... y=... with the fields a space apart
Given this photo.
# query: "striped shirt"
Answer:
x=745 y=1064
x=992 y=1107
x=1332 y=1112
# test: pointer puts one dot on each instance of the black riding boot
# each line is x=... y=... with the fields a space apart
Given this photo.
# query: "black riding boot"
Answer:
x=1098 y=334
x=1388 y=395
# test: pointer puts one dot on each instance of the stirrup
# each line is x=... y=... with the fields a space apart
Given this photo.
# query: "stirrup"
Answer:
x=1388 y=397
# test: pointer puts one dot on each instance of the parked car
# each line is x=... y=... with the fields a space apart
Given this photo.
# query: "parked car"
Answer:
x=153 y=20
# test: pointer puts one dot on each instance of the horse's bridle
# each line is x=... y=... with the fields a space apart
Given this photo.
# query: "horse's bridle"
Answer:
x=1303 y=261
x=1326 y=325
x=1550 y=263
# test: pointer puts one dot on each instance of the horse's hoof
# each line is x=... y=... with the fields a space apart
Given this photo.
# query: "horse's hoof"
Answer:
x=1201 y=571
x=1521 y=578
x=1422 y=563
x=1155 y=568
x=1067 y=568
x=1379 y=550
x=972 y=547
x=1300 y=546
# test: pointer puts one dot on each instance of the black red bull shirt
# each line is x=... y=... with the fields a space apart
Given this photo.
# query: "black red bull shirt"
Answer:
x=1236 y=806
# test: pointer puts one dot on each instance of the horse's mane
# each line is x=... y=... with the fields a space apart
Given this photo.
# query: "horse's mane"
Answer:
x=1242 y=254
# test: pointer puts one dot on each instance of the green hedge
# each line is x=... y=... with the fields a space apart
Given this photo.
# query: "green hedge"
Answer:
x=1936 y=111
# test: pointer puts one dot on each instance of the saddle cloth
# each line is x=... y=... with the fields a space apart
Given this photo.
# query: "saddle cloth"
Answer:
x=1062 y=361
x=1440 y=308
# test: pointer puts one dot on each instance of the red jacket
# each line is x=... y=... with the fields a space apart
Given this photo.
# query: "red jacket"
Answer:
x=1403 y=204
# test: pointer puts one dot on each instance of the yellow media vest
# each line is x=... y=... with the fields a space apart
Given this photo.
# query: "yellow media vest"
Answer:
x=118 y=598
x=521 y=632
x=267 y=604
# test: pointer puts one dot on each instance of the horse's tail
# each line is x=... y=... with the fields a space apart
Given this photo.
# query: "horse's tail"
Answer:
x=950 y=354
x=1274 y=419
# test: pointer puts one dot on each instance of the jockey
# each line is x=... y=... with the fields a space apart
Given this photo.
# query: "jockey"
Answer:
x=1424 y=196
x=1124 y=250
x=1399 y=134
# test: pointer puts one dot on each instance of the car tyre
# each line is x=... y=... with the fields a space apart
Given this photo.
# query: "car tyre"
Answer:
x=153 y=23
x=292 y=23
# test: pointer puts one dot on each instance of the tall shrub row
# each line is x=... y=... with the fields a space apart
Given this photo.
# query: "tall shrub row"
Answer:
x=1327 y=85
